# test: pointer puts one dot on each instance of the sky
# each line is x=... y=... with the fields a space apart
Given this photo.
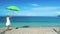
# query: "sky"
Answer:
x=30 y=7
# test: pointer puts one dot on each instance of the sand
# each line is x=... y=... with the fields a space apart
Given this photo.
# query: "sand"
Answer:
x=33 y=30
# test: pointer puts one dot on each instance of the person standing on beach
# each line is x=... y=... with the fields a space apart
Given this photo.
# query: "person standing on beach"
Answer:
x=7 y=22
x=14 y=8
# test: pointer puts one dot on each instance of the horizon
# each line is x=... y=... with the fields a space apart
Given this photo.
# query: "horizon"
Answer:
x=31 y=7
x=30 y=16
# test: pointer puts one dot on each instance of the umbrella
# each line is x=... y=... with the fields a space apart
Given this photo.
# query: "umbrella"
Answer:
x=14 y=8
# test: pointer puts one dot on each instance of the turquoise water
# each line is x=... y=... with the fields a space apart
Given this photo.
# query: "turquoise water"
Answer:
x=31 y=21
x=32 y=24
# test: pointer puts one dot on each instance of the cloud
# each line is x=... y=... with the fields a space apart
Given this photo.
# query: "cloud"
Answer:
x=35 y=5
x=46 y=8
x=57 y=13
x=26 y=13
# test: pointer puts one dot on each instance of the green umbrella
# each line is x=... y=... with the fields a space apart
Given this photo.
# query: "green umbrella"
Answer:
x=14 y=8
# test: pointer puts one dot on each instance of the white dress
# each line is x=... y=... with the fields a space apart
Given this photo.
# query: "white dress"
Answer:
x=8 y=21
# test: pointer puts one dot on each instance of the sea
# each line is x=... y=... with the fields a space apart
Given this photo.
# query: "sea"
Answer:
x=32 y=21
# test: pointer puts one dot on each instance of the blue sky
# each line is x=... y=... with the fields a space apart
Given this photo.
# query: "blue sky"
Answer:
x=31 y=7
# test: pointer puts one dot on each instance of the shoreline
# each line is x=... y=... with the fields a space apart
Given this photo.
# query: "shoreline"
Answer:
x=35 y=27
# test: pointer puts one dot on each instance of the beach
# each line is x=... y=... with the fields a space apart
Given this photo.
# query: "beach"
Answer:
x=29 y=16
x=31 y=30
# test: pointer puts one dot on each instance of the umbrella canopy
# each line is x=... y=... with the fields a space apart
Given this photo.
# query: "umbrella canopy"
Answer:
x=14 y=8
